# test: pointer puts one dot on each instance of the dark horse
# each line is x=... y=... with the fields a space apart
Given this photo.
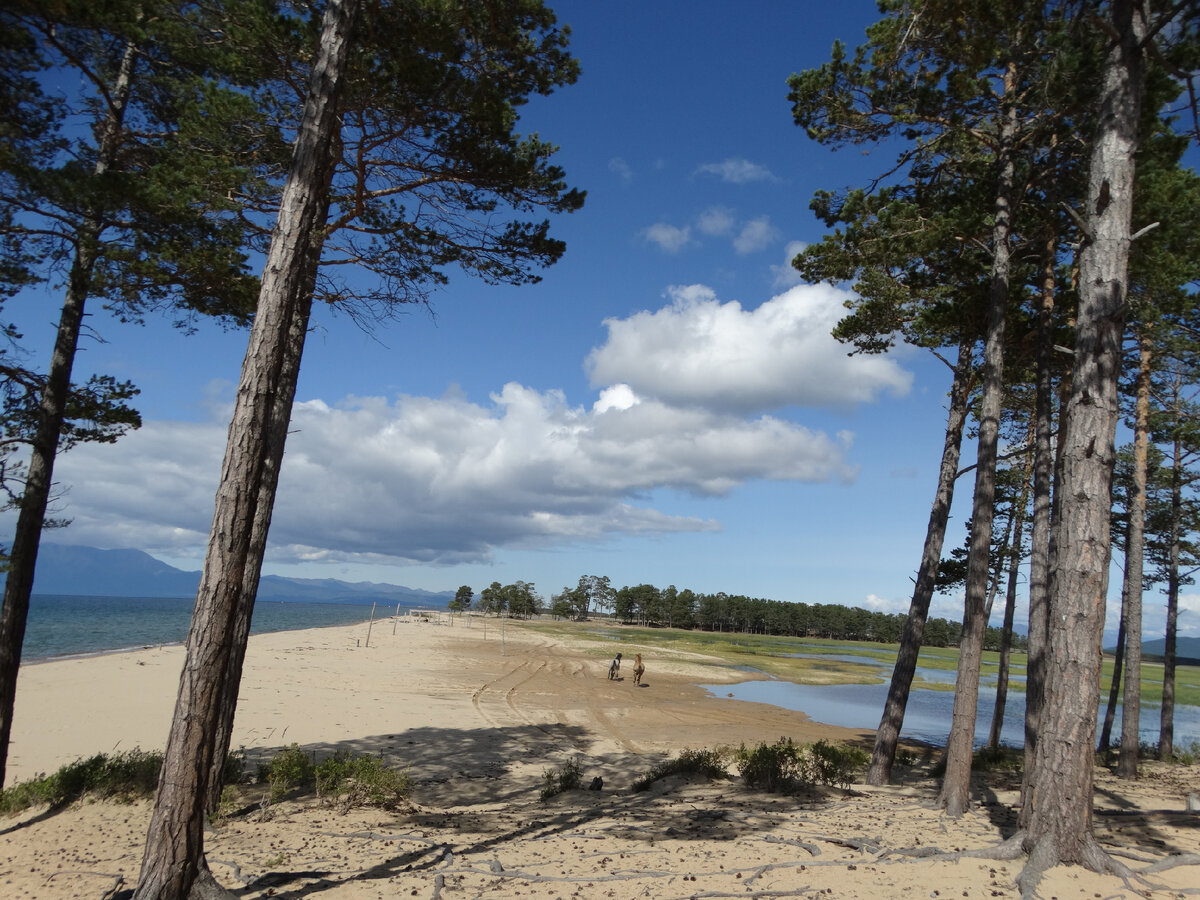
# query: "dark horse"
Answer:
x=614 y=668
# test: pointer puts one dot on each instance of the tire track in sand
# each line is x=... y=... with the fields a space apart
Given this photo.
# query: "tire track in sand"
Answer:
x=527 y=707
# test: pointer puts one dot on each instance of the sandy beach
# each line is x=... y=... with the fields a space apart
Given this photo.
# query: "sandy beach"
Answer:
x=476 y=716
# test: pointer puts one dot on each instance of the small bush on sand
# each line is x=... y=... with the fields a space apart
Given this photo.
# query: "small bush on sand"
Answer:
x=346 y=782
x=836 y=765
x=998 y=759
x=776 y=768
x=706 y=763
x=121 y=776
x=290 y=769
x=788 y=768
x=568 y=778
x=1186 y=756
x=342 y=780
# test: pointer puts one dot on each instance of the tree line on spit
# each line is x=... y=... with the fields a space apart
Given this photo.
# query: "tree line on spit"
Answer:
x=669 y=607
x=1034 y=230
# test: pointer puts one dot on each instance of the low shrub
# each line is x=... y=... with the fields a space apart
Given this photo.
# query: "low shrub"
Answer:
x=998 y=759
x=289 y=770
x=836 y=764
x=568 y=778
x=786 y=767
x=706 y=763
x=775 y=768
x=121 y=776
x=347 y=782
x=1186 y=756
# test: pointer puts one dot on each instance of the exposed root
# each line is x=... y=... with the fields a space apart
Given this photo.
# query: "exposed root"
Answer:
x=813 y=849
x=1044 y=856
x=1171 y=862
x=1006 y=851
x=205 y=887
x=862 y=845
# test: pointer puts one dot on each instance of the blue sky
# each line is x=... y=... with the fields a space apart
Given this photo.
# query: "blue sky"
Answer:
x=666 y=406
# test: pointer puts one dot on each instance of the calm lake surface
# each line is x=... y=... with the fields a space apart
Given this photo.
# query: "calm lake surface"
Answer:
x=71 y=625
x=927 y=717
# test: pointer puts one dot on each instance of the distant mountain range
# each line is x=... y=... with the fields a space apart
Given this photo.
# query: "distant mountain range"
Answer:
x=1187 y=650
x=88 y=571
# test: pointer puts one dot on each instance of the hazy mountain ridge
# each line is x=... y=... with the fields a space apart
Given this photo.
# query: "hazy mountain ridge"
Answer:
x=89 y=571
x=1186 y=648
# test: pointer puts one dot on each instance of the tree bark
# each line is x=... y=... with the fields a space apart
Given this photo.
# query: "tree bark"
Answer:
x=281 y=415
x=1131 y=598
x=1043 y=477
x=1010 y=607
x=956 y=784
x=1060 y=783
x=1166 y=724
x=888 y=734
x=1114 y=688
x=173 y=862
x=51 y=412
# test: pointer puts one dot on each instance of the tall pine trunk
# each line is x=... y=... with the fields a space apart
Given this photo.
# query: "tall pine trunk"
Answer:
x=1166 y=724
x=50 y=415
x=1010 y=607
x=1059 y=784
x=1131 y=597
x=173 y=865
x=956 y=784
x=888 y=734
x=281 y=415
x=1043 y=477
x=1114 y=687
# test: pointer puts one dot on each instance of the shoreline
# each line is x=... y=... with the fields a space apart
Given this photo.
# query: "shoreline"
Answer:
x=322 y=686
x=706 y=676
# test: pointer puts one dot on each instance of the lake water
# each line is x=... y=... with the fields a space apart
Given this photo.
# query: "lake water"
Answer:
x=70 y=625
x=927 y=716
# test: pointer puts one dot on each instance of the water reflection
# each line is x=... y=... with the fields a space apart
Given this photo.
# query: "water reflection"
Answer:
x=927 y=717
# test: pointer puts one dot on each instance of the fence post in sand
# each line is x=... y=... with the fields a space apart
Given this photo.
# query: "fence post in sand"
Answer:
x=370 y=625
x=395 y=620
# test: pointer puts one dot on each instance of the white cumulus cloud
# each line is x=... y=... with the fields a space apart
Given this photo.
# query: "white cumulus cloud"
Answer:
x=700 y=351
x=443 y=480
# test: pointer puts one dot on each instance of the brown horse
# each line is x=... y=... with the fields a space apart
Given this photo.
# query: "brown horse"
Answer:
x=638 y=669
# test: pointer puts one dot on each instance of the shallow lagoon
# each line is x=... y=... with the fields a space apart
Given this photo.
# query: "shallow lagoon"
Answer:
x=927 y=717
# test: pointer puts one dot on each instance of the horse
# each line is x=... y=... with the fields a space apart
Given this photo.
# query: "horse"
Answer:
x=638 y=669
x=614 y=668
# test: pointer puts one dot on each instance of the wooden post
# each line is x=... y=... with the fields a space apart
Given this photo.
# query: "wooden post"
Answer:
x=370 y=625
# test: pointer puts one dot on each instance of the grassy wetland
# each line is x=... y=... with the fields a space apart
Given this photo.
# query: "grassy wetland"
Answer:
x=817 y=661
